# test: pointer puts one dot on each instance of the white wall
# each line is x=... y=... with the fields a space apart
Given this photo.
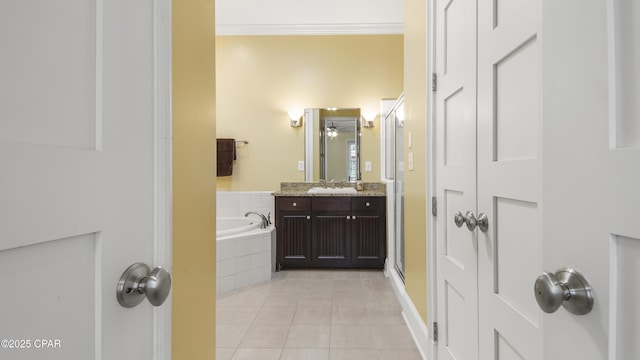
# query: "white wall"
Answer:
x=288 y=17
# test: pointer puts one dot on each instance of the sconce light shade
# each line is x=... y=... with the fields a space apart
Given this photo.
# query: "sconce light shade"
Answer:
x=367 y=118
x=296 y=118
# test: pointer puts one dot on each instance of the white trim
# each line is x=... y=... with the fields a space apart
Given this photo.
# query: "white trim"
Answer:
x=385 y=108
x=613 y=76
x=309 y=124
x=99 y=76
x=98 y=145
x=162 y=170
x=432 y=288
x=98 y=291
x=310 y=29
x=389 y=264
x=418 y=329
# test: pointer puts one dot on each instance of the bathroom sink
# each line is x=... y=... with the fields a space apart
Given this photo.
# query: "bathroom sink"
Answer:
x=329 y=190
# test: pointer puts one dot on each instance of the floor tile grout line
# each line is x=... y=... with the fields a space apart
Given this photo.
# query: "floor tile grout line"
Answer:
x=335 y=301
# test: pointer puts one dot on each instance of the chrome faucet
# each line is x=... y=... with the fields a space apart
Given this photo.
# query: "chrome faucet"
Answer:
x=265 y=221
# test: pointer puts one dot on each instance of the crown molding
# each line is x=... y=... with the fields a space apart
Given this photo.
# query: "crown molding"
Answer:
x=310 y=29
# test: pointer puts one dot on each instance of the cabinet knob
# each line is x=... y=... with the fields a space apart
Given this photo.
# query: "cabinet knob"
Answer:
x=308 y=217
x=368 y=204
x=353 y=217
x=348 y=217
x=294 y=204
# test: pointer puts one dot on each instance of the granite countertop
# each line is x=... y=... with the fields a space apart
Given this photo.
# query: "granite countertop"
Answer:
x=302 y=188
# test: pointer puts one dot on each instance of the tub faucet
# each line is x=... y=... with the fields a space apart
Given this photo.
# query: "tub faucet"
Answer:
x=265 y=221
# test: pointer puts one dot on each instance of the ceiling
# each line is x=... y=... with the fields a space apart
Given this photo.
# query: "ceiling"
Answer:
x=309 y=17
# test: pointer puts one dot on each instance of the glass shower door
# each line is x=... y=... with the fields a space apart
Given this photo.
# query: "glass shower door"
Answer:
x=399 y=186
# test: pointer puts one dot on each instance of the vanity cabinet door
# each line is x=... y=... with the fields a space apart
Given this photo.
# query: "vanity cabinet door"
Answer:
x=368 y=237
x=293 y=231
x=331 y=232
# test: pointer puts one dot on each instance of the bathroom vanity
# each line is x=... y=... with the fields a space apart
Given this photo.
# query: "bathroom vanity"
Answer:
x=330 y=230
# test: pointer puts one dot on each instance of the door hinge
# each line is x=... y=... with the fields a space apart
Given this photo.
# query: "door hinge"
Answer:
x=434 y=82
x=435 y=331
x=434 y=206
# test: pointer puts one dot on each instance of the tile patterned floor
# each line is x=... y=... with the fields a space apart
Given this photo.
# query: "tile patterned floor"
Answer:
x=314 y=315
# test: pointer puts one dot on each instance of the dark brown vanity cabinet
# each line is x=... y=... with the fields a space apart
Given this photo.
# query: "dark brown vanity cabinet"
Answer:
x=331 y=232
x=331 y=228
x=369 y=231
x=293 y=231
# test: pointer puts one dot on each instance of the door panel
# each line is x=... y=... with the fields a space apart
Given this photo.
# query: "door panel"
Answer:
x=39 y=266
x=518 y=251
x=625 y=71
x=509 y=178
x=625 y=270
x=456 y=241
x=456 y=184
x=595 y=175
x=77 y=152
x=54 y=68
x=517 y=106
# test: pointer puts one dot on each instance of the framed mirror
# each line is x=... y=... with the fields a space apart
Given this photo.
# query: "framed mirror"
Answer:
x=332 y=144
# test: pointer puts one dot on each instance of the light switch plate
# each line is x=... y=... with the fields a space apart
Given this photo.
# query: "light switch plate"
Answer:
x=367 y=166
x=300 y=165
x=409 y=140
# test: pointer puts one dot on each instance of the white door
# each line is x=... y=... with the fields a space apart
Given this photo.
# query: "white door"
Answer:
x=455 y=128
x=573 y=101
x=591 y=174
x=78 y=201
x=510 y=159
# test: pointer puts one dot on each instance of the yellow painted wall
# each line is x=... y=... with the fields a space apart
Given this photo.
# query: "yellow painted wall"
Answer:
x=261 y=78
x=415 y=97
x=194 y=180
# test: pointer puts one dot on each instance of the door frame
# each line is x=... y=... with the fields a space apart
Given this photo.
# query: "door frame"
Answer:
x=432 y=284
x=162 y=187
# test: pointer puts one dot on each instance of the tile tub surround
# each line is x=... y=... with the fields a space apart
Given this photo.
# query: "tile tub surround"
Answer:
x=237 y=203
x=244 y=259
x=301 y=188
x=314 y=314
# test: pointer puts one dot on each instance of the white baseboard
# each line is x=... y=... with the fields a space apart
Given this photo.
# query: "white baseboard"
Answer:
x=417 y=327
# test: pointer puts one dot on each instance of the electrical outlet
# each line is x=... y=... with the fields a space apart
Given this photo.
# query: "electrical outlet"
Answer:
x=301 y=165
x=367 y=166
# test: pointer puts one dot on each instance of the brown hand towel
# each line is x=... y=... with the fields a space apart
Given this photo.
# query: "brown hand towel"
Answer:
x=226 y=155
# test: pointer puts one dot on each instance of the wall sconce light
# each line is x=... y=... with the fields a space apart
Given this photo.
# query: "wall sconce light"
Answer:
x=367 y=118
x=296 y=118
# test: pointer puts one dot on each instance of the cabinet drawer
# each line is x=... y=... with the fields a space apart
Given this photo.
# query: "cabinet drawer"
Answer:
x=368 y=203
x=331 y=203
x=294 y=203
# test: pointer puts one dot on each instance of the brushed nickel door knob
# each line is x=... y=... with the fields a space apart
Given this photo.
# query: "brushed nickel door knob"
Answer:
x=472 y=222
x=458 y=218
x=138 y=282
x=567 y=287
